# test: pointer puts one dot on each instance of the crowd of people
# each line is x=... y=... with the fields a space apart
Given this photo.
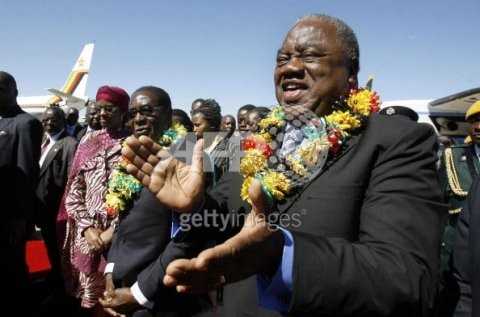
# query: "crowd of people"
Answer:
x=345 y=210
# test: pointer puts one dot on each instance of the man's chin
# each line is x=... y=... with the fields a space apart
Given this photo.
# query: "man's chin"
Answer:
x=296 y=103
x=139 y=134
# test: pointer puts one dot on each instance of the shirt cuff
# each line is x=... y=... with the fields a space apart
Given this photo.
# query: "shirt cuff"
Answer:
x=139 y=297
x=109 y=268
x=275 y=293
x=179 y=225
x=175 y=225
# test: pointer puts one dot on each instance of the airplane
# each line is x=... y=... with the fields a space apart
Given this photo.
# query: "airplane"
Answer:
x=446 y=114
x=73 y=92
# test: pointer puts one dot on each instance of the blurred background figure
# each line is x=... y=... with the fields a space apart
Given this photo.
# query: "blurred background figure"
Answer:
x=196 y=104
x=72 y=127
x=207 y=119
x=254 y=116
x=180 y=116
x=228 y=125
x=242 y=117
x=92 y=119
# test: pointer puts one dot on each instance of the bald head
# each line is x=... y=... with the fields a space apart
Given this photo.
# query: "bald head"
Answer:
x=8 y=91
x=7 y=78
x=72 y=116
x=317 y=64
x=53 y=120
x=345 y=36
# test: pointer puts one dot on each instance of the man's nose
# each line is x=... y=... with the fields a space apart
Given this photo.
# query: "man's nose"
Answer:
x=139 y=117
x=294 y=66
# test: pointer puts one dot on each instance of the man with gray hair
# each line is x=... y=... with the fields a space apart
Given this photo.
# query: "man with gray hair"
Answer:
x=366 y=232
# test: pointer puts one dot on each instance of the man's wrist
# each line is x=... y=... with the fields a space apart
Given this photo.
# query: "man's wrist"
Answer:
x=274 y=251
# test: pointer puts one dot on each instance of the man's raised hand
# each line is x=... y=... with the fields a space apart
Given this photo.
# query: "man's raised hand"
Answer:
x=175 y=184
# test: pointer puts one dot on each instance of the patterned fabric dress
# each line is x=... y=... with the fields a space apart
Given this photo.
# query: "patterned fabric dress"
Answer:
x=84 y=205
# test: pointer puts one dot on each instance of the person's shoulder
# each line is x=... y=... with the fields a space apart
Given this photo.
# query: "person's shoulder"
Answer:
x=390 y=129
x=26 y=122
x=26 y=118
x=70 y=141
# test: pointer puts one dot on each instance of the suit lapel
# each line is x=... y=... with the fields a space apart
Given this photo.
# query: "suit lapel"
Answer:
x=52 y=153
x=350 y=143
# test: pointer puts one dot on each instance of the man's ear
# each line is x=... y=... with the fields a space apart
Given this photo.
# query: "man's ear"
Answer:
x=353 y=82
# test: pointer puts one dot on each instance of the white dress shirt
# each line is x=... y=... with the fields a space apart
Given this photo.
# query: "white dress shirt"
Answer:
x=52 y=139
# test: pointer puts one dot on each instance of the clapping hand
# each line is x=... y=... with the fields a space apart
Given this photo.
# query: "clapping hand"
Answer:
x=175 y=184
x=257 y=248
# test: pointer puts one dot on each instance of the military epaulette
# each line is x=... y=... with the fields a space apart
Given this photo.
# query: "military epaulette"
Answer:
x=452 y=174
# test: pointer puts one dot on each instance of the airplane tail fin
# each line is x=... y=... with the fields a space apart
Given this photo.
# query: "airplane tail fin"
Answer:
x=76 y=83
x=81 y=90
x=83 y=66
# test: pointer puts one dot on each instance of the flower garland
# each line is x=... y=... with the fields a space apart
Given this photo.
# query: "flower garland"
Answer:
x=318 y=140
x=122 y=187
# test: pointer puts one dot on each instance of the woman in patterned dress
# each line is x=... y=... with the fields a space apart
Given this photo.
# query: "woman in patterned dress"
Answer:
x=90 y=229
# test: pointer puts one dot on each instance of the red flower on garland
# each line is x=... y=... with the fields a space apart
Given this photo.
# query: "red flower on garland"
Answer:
x=248 y=144
x=265 y=148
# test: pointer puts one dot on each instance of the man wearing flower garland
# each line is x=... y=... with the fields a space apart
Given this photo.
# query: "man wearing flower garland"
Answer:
x=368 y=236
x=145 y=223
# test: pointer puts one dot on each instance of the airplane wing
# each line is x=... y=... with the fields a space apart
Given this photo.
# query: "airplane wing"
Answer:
x=69 y=99
x=448 y=113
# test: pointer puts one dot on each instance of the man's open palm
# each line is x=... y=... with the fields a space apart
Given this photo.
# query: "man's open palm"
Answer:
x=175 y=184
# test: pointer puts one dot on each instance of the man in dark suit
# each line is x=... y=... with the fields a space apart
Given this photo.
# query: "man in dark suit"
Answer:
x=92 y=118
x=20 y=139
x=58 y=150
x=72 y=126
x=144 y=230
x=369 y=234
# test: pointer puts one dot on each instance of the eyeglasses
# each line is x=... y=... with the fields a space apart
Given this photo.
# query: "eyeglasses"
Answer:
x=107 y=108
x=146 y=111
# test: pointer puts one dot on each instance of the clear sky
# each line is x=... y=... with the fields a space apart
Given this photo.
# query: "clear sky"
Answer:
x=416 y=49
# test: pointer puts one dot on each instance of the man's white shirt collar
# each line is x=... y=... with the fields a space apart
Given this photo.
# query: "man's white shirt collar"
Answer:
x=54 y=138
